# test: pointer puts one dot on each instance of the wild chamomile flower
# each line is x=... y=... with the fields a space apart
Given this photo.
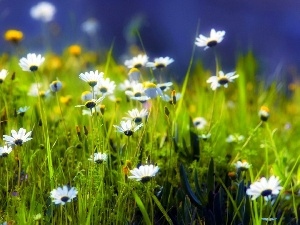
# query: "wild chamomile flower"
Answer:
x=137 y=90
x=98 y=157
x=91 y=77
x=136 y=115
x=32 y=62
x=62 y=195
x=5 y=150
x=90 y=104
x=128 y=127
x=264 y=113
x=142 y=98
x=160 y=63
x=199 y=123
x=55 y=86
x=242 y=165
x=17 y=138
x=144 y=173
x=3 y=75
x=136 y=62
x=43 y=11
x=265 y=188
x=221 y=79
x=127 y=85
x=13 y=36
x=105 y=87
x=21 y=111
x=164 y=86
x=235 y=138
x=211 y=41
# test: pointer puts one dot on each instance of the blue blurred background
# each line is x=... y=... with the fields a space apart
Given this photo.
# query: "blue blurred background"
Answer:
x=168 y=28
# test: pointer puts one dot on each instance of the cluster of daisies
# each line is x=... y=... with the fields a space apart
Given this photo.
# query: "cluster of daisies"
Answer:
x=102 y=87
x=267 y=188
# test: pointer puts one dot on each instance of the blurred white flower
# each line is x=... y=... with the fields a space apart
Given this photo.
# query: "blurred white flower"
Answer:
x=242 y=165
x=234 y=138
x=265 y=188
x=3 y=74
x=90 y=26
x=160 y=63
x=208 y=42
x=5 y=150
x=128 y=127
x=17 y=138
x=221 y=80
x=136 y=62
x=62 y=195
x=98 y=157
x=199 y=122
x=43 y=11
x=144 y=173
x=32 y=62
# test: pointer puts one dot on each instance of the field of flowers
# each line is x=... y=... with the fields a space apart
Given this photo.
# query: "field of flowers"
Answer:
x=89 y=141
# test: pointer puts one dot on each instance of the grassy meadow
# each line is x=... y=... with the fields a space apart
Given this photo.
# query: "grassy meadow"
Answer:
x=198 y=179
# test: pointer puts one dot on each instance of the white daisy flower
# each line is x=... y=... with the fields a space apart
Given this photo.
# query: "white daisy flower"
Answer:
x=90 y=104
x=164 y=86
x=265 y=188
x=137 y=90
x=242 y=165
x=207 y=42
x=128 y=127
x=127 y=85
x=141 y=99
x=144 y=173
x=160 y=63
x=105 y=87
x=98 y=157
x=32 y=62
x=5 y=150
x=17 y=138
x=137 y=62
x=43 y=11
x=3 y=75
x=235 y=138
x=62 y=195
x=91 y=77
x=136 y=116
x=200 y=123
x=221 y=79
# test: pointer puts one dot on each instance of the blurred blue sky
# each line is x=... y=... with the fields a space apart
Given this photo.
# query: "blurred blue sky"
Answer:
x=168 y=28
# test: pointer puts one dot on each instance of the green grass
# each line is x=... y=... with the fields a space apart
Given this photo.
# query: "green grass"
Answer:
x=192 y=186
